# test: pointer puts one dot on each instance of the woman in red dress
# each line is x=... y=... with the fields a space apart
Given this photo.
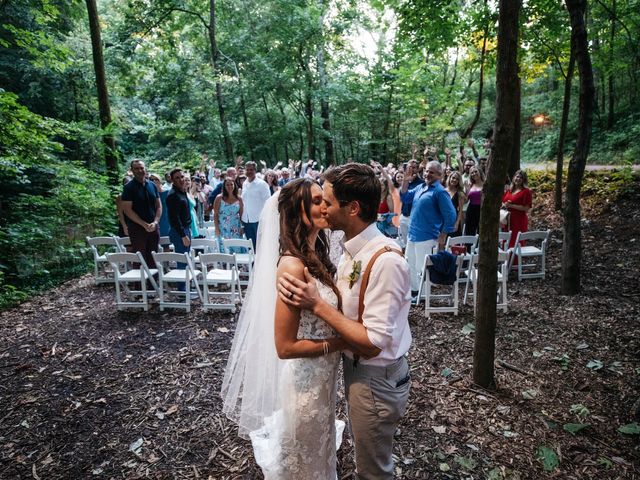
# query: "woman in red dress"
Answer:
x=518 y=201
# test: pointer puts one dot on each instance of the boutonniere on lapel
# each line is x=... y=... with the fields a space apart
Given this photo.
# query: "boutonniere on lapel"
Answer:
x=355 y=273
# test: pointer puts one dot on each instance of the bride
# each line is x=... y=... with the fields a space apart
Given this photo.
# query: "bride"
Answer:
x=280 y=382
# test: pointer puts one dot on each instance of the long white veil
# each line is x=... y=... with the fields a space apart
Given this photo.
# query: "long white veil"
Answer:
x=250 y=388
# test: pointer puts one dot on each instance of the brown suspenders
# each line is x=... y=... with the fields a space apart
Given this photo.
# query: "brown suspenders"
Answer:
x=365 y=283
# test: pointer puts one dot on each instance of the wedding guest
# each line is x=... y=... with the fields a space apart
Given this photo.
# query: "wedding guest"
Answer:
x=255 y=193
x=143 y=209
x=272 y=180
x=195 y=233
x=164 y=218
x=518 y=200
x=458 y=199
x=432 y=218
x=227 y=212
x=474 y=194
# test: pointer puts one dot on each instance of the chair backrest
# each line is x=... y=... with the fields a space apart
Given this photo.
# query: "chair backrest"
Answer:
x=218 y=259
x=123 y=243
x=503 y=240
x=164 y=241
x=209 y=224
x=238 y=243
x=108 y=242
x=170 y=257
x=96 y=241
x=534 y=236
x=469 y=240
x=126 y=258
x=203 y=245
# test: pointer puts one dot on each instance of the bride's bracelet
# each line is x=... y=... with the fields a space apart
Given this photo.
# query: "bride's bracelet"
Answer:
x=325 y=347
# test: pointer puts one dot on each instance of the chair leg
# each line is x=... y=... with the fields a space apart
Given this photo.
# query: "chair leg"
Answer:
x=456 y=293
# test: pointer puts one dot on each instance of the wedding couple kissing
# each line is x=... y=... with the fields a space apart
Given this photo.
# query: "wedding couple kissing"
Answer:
x=302 y=315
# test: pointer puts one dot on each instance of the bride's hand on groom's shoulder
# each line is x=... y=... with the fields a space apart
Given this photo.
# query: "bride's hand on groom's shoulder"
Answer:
x=298 y=293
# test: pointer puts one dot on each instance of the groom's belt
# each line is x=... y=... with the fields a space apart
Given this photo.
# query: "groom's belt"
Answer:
x=386 y=371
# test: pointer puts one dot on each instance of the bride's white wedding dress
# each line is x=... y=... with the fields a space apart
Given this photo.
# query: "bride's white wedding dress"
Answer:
x=300 y=440
x=285 y=407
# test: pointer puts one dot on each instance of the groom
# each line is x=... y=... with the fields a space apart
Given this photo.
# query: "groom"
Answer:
x=376 y=372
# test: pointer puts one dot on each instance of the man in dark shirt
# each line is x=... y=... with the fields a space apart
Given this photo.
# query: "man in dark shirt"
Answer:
x=179 y=213
x=142 y=207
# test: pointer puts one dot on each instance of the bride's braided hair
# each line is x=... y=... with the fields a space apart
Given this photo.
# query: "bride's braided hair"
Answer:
x=294 y=202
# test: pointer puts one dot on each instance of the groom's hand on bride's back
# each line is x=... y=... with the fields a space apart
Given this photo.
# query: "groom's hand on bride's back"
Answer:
x=298 y=293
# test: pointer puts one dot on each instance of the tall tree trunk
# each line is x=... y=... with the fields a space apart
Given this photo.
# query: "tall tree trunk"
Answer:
x=506 y=112
x=572 y=242
x=610 y=81
x=308 y=110
x=243 y=108
x=566 y=104
x=514 y=163
x=215 y=57
x=269 y=129
x=110 y=153
x=385 y=129
x=286 y=130
x=324 y=103
x=308 y=104
x=469 y=130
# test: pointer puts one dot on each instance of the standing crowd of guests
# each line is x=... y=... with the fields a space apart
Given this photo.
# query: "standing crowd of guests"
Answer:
x=424 y=201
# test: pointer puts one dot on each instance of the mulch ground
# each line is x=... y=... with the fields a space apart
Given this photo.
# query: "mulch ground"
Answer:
x=87 y=392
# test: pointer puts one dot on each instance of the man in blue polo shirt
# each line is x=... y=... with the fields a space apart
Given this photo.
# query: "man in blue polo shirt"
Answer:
x=142 y=207
x=432 y=217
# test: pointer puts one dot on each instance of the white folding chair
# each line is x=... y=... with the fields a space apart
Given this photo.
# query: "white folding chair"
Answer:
x=536 y=252
x=123 y=243
x=450 y=297
x=503 y=240
x=125 y=274
x=169 y=274
x=209 y=224
x=246 y=259
x=100 y=246
x=470 y=242
x=220 y=270
x=200 y=246
x=503 y=275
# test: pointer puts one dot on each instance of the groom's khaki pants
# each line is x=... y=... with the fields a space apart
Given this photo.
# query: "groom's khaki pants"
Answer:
x=376 y=399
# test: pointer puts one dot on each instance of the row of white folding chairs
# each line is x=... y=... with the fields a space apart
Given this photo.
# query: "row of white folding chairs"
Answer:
x=534 y=248
x=466 y=272
x=215 y=269
x=466 y=269
x=100 y=246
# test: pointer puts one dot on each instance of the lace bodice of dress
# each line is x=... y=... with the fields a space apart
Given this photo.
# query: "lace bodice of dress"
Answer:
x=310 y=325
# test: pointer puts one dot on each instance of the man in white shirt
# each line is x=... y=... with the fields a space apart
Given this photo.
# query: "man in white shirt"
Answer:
x=376 y=371
x=255 y=193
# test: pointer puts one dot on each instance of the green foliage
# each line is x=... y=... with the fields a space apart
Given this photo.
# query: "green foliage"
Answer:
x=548 y=457
x=47 y=206
x=630 y=429
x=574 y=428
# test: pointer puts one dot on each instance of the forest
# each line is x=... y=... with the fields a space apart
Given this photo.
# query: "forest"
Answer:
x=330 y=80
x=547 y=388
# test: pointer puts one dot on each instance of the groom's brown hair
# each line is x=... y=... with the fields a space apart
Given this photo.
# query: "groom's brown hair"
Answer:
x=356 y=182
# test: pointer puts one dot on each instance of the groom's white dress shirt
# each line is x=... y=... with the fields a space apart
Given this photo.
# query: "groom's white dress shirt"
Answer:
x=387 y=299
